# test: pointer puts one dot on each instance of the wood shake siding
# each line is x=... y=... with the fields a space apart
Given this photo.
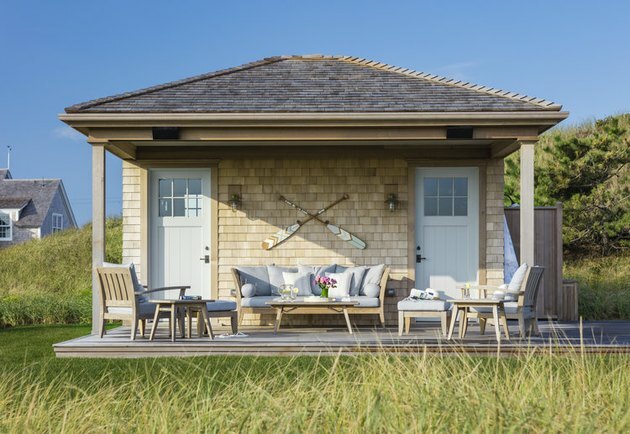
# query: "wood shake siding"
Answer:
x=314 y=184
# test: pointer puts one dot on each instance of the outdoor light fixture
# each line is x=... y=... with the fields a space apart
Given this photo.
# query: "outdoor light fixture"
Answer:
x=392 y=202
x=235 y=201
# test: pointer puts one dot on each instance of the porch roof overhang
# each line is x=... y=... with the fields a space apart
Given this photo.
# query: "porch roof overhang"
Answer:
x=130 y=135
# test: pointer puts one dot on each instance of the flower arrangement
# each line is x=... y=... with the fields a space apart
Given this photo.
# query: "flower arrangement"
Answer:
x=325 y=283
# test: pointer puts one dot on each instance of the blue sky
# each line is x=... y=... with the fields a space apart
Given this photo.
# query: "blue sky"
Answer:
x=57 y=53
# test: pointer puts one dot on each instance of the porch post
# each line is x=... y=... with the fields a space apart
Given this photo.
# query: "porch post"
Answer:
x=527 y=203
x=98 y=226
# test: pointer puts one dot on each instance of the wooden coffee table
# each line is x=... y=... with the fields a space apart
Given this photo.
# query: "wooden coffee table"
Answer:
x=311 y=308
x=463 y=307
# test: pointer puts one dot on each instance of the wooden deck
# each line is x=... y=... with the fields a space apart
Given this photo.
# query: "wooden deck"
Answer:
x=597 y=337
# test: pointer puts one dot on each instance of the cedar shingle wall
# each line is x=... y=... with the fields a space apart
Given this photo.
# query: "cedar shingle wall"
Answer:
x=313 y=185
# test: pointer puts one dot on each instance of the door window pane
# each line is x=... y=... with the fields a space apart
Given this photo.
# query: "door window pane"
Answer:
x=461 y=187
x=430 y=187
x=445 y=206
x=460 y=206
x=165 y=187
x=179 y=187
x=445 y=187
x=179 y=207
x=194 y=186
x=165 y=208
x=430 y=206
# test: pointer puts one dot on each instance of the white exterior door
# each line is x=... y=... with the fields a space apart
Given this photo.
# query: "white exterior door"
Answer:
x=180 y=229
x=447 y=228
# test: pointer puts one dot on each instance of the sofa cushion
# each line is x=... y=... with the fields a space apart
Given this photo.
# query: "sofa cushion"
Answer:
x=356 y=282
x=342 y=288
x=366 y=301
x=423 y=305
x=248 y=290
x=373 y=275
x=275 y=277
x=221 y=306
x=371 y=290
x=258 y=301
x=301 y=280
x=256 y=275
x=144 y=309
x=317 y=270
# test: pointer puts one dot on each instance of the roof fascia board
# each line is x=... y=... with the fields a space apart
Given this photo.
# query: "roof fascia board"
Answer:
x=67 y=203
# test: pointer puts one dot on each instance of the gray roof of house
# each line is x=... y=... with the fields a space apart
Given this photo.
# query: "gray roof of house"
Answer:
x=40 y=192
x=13 y=203
x=315 y=83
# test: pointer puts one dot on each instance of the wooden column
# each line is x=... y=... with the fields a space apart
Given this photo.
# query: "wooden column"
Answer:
x=527 y=203
x=98 y=226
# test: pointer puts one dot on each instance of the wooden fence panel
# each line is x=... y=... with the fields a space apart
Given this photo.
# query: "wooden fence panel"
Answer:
x=547 y=253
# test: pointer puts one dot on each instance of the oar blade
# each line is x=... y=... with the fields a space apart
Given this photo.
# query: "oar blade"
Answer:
x=346 y=236
x=280 y=236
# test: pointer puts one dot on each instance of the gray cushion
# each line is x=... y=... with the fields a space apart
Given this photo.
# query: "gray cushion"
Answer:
x=248 y=290
x=366 y=301
x=356 y=281
x=510 y=307
x=275 y=277
x=317 y=271
x=258 y=301
x=371 y=290
x=258 y=276
x=374 y=274
x=144 y=309
x=424 y=305
x=221 y=306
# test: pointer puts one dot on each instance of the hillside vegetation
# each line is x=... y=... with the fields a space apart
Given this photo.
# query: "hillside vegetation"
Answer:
x=49 y=280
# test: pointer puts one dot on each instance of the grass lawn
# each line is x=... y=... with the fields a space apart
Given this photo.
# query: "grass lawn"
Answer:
x=548 y=393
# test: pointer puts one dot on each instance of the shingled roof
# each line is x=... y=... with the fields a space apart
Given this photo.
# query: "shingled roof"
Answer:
x=40 y=192
x=314 y=83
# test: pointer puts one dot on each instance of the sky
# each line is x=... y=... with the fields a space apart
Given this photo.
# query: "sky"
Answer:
x=57 y=53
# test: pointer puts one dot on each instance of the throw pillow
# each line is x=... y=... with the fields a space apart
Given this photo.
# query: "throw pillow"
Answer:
x=371 y=290
x=372 y=275
x=342 y=289
x=248 y=290
x=356 y=281
x=256 y=275
x=301 y=280
x=275 y=277
x=517 y=279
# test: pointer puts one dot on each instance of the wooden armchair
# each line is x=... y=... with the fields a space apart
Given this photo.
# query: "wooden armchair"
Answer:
x=120 y=298
x=523 y=309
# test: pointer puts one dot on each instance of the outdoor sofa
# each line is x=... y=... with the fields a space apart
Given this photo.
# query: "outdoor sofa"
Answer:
x=256 y=285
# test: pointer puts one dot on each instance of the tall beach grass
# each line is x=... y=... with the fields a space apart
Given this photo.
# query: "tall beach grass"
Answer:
x=461 y=393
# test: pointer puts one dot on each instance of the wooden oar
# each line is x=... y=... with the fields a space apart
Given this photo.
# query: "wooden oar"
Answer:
x=286 y=233
x=343 y=234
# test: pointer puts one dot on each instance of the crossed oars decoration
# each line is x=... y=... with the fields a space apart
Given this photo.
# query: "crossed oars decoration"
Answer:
x=289 y=231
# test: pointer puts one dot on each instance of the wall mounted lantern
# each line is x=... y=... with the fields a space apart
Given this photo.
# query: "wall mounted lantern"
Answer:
x=392 y=202
x=235 y=201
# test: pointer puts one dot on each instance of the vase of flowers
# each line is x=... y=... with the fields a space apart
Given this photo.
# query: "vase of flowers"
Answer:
x=325 y=283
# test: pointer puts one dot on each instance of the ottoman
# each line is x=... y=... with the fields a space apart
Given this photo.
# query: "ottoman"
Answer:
x=411 y=308
x=217 y=309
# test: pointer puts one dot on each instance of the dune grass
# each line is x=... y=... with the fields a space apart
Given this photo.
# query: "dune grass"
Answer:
x=604 y=286
x=460 y=393
x=48 y=281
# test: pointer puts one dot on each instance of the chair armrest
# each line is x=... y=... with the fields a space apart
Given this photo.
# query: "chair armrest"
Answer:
x=182 y=290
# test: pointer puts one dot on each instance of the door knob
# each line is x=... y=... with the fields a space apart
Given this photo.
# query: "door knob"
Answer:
x=205 y=259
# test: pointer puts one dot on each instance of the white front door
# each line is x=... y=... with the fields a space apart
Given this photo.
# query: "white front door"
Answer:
x=447 y=228
x=180 y=229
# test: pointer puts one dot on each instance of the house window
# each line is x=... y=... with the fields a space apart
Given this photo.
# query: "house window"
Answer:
x=446 y=196
x=57 y=222
x=179 y=197
x=6 y=229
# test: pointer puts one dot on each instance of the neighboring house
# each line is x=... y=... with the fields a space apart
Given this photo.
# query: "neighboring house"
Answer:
x=313 y=128
x=32 y=208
